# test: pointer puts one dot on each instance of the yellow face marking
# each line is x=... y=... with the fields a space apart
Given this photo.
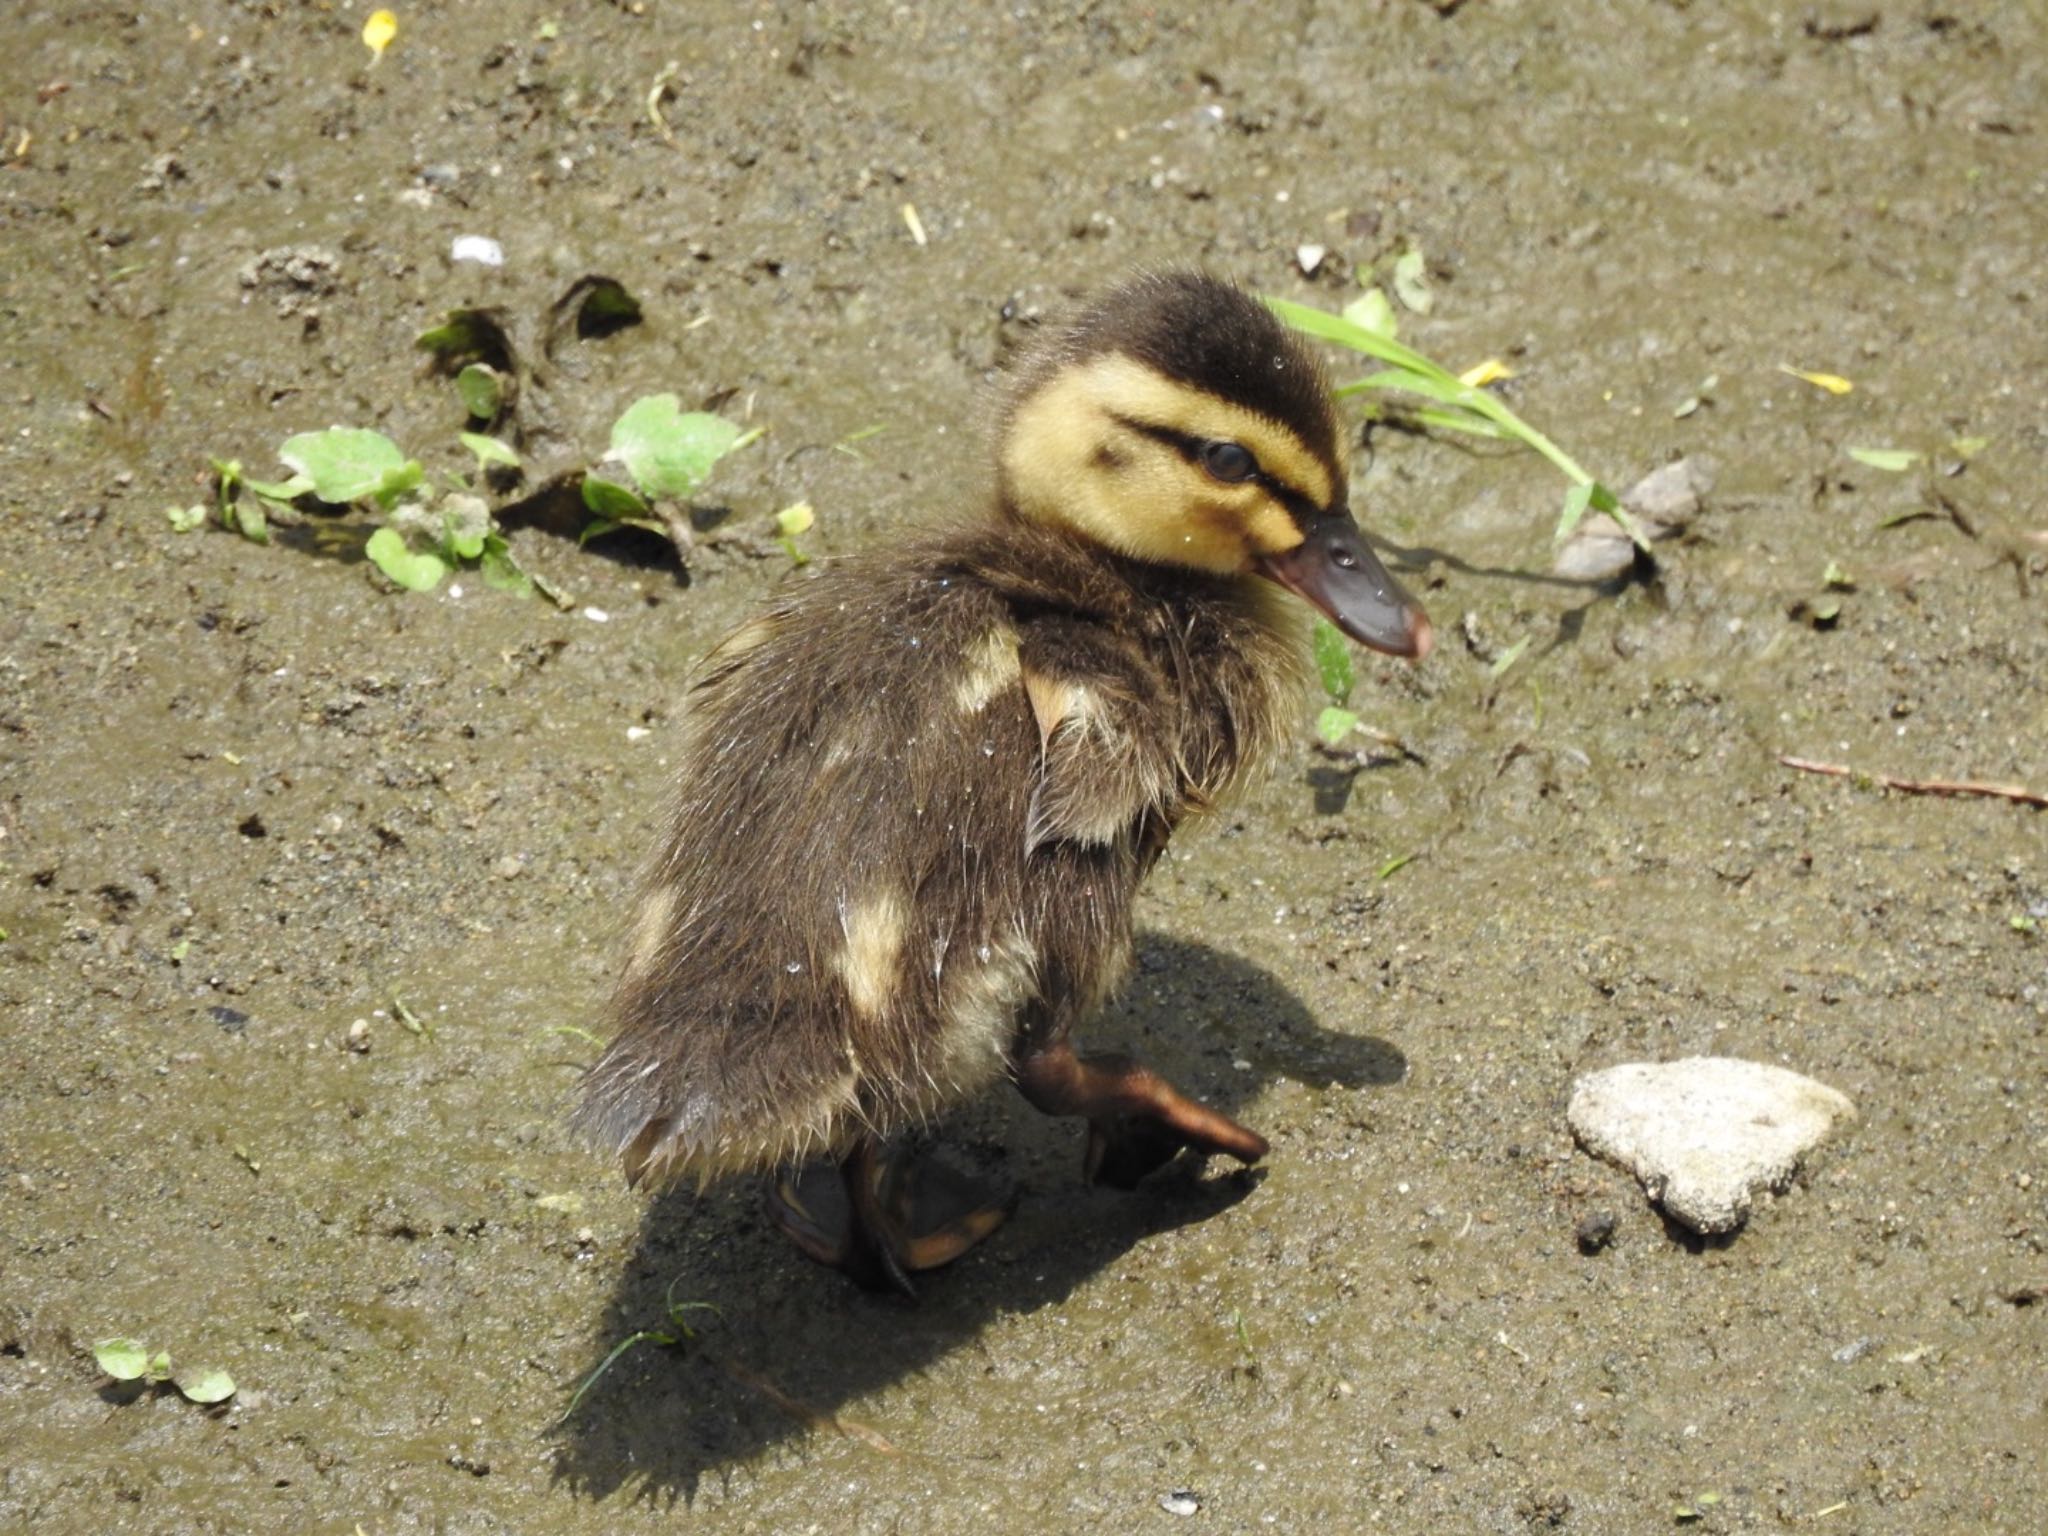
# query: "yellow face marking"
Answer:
x=991 y=668
x=1071 y=460
x=1128 y=387
x=868 y=964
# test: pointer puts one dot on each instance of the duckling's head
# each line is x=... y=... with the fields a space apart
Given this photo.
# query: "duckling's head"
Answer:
x=1175 y=421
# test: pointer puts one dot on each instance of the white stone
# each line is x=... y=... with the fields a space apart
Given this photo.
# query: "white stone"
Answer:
x=1704 y=1134
x=478 y=248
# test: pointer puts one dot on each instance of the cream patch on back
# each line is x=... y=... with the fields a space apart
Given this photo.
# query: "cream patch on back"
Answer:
x=991 y=668
x=868 y=964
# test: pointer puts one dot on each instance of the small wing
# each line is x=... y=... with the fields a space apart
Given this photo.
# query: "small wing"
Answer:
x=1109 y=740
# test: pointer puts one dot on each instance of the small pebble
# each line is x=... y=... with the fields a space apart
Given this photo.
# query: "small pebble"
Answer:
x=359 y=1037
x=1310 y=257
x=1596 y=1231
x=481 y=249
x=1180 y=1502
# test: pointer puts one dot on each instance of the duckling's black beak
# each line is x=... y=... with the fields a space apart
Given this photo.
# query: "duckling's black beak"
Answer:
x=1336 y=570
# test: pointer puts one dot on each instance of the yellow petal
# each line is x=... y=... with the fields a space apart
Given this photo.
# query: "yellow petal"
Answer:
x=1479 y=375
x=378 y=32
x=1833 y=383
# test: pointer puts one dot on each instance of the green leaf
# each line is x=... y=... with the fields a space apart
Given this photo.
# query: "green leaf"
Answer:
x=489 y=450
x=668 y=453
x=345 y=464
x=608 y=302
x=599 y=527
x=122 y=1359
x=1459 y=419
x=415 y=572
x=1411 y=282
x=463 y=543
x=247 y=519
x=465 y=333
x=281 y=490
x=465 y=524
x=1333 y=662
x=482 y=390
x=613 y=502
x=185 y=519
x=1400 y=861
x=1891 y=460
x=1334 y=724
x=1576 y=501
x=1508 y=657
x=1969 y=447
x=501 y=573
x=1450 y=392
x=1320 y=323
x=1834 y=576
x=1371 y=311
x=205 y=1386
x=797 y=518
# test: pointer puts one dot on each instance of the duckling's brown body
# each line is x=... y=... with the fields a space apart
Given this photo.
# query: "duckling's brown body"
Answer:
x=918 y=794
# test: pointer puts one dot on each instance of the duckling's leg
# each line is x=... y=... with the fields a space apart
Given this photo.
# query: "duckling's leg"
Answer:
x=1137 y=1120
x=880 y=1216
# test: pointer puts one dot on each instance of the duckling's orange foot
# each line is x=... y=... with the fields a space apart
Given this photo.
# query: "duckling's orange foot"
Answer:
x=1137 y=1121
x=881 y=1217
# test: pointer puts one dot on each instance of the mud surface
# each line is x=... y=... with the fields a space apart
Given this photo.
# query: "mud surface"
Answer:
x=248 y=796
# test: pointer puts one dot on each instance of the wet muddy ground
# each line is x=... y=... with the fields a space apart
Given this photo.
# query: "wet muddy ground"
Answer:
x=248 y=796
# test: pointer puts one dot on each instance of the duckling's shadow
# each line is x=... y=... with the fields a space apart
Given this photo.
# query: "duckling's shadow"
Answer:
x=790 y=1343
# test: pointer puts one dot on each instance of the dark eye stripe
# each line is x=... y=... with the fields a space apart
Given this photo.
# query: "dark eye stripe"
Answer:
x=1300 y=507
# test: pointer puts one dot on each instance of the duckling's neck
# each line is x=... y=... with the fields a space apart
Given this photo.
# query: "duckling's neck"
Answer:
x=1233 y=649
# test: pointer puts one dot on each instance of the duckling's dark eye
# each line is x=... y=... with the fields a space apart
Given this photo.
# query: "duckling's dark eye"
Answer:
x=1231 y=463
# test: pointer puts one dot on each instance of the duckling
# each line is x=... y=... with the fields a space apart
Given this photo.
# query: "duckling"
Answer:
x=919 y=792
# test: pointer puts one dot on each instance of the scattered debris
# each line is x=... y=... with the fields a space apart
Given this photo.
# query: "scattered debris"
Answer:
x=481 y=249
x=1706 y=1133
x=2018 y=792
x=378 y=32
x=1181 y=1501
x=298 y=276
x=1892 y=460
x=1310 y=258
x=1411 y=282
x=1833 y=383
x=163 y=170
x=1595 y=1232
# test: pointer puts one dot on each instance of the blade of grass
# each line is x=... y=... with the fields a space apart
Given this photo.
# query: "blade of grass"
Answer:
x=1421 y=375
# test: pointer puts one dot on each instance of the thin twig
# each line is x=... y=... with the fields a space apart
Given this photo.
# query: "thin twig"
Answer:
x=2017 y=792
x=801 y=1411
